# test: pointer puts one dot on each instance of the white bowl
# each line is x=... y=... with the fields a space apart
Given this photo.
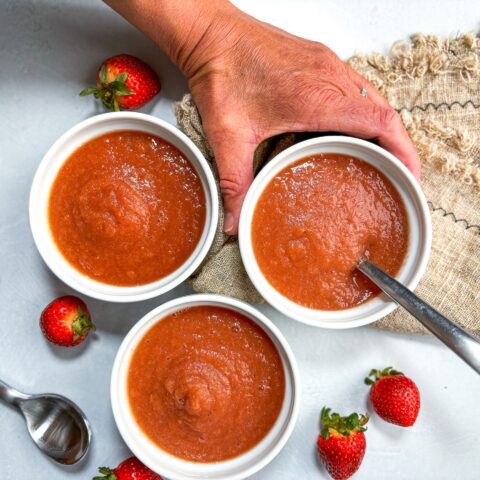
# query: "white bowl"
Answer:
x=48 y=169
x=176 y=468
x=420 y=230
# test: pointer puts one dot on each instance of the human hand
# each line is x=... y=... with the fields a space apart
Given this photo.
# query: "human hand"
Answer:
x=251 y=81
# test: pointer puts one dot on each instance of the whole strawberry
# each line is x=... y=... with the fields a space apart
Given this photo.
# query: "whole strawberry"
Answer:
x=124 y=81
x=341 y=443
x=130 y=469
x=394 y=396
x=66 y=321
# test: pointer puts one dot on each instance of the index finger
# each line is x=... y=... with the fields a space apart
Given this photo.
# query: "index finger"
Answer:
x=395 y=139
x=368 y=120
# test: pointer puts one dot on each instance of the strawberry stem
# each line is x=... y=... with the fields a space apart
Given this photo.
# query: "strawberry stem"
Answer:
x=103 y=75
x=107 y=474
x=81 y=324
x=343 y=425
x=378 y=374
x=108 y=93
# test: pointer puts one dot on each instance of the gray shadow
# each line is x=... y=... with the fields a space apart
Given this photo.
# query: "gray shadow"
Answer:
x=45 y=37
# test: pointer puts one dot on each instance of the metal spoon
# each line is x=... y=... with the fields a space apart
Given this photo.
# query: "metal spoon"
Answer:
x=456 y=338
x=58 y=427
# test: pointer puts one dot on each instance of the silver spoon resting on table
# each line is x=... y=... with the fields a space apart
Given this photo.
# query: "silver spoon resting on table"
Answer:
x=58 y=426
x=453 y=336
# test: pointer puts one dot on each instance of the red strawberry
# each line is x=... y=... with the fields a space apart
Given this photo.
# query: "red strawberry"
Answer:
x=66 y=321
x=124 y=81
x=394 y=396
x=130 y=469
x=341 y=443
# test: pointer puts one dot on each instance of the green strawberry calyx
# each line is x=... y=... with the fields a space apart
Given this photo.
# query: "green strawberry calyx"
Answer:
x=342 y=425
x=378 y=374
x=108 y=93
x=81 y=325
x=107 y=474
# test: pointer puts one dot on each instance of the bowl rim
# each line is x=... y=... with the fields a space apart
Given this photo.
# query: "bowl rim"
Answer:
x=334 y=319
x=120 y=405
x=39 y=226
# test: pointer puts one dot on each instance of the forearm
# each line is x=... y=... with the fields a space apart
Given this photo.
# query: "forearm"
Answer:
x=182 y=29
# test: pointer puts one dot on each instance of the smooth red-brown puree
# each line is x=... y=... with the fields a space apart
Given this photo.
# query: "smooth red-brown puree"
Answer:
x=127 y=208
x=316 y=219
x=206 y=384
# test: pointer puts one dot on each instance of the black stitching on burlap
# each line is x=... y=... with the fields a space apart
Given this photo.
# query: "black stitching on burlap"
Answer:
x=451 y=214
x=436 y=106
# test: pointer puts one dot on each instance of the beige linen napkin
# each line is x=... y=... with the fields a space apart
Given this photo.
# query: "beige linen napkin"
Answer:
x=434 y=84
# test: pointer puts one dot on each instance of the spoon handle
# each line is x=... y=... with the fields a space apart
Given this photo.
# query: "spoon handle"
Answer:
x=10 y=395
x=457 y=339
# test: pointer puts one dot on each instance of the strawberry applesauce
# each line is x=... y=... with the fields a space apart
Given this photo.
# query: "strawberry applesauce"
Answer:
x=127 y=208
x=206 y=384
x=314 y=222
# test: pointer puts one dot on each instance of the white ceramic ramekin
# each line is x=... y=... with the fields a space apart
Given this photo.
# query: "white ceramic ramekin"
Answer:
x=48 y=170
x=173 y=467
x=418 y=214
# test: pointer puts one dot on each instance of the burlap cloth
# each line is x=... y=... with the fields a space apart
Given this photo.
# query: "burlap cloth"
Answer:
x=434 y=84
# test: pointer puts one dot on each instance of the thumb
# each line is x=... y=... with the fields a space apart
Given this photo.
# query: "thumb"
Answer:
x=234 y=159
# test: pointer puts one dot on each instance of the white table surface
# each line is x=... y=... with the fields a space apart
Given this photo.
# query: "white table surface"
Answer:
x=49 y=51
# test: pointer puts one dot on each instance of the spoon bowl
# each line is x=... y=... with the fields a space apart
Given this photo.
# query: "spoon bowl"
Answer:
x=57 y=425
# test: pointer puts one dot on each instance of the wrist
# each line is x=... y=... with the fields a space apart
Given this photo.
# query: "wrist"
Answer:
x=209 y=39
x=190 y=32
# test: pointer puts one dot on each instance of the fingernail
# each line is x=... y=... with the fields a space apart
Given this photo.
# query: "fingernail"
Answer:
x=228 y=224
